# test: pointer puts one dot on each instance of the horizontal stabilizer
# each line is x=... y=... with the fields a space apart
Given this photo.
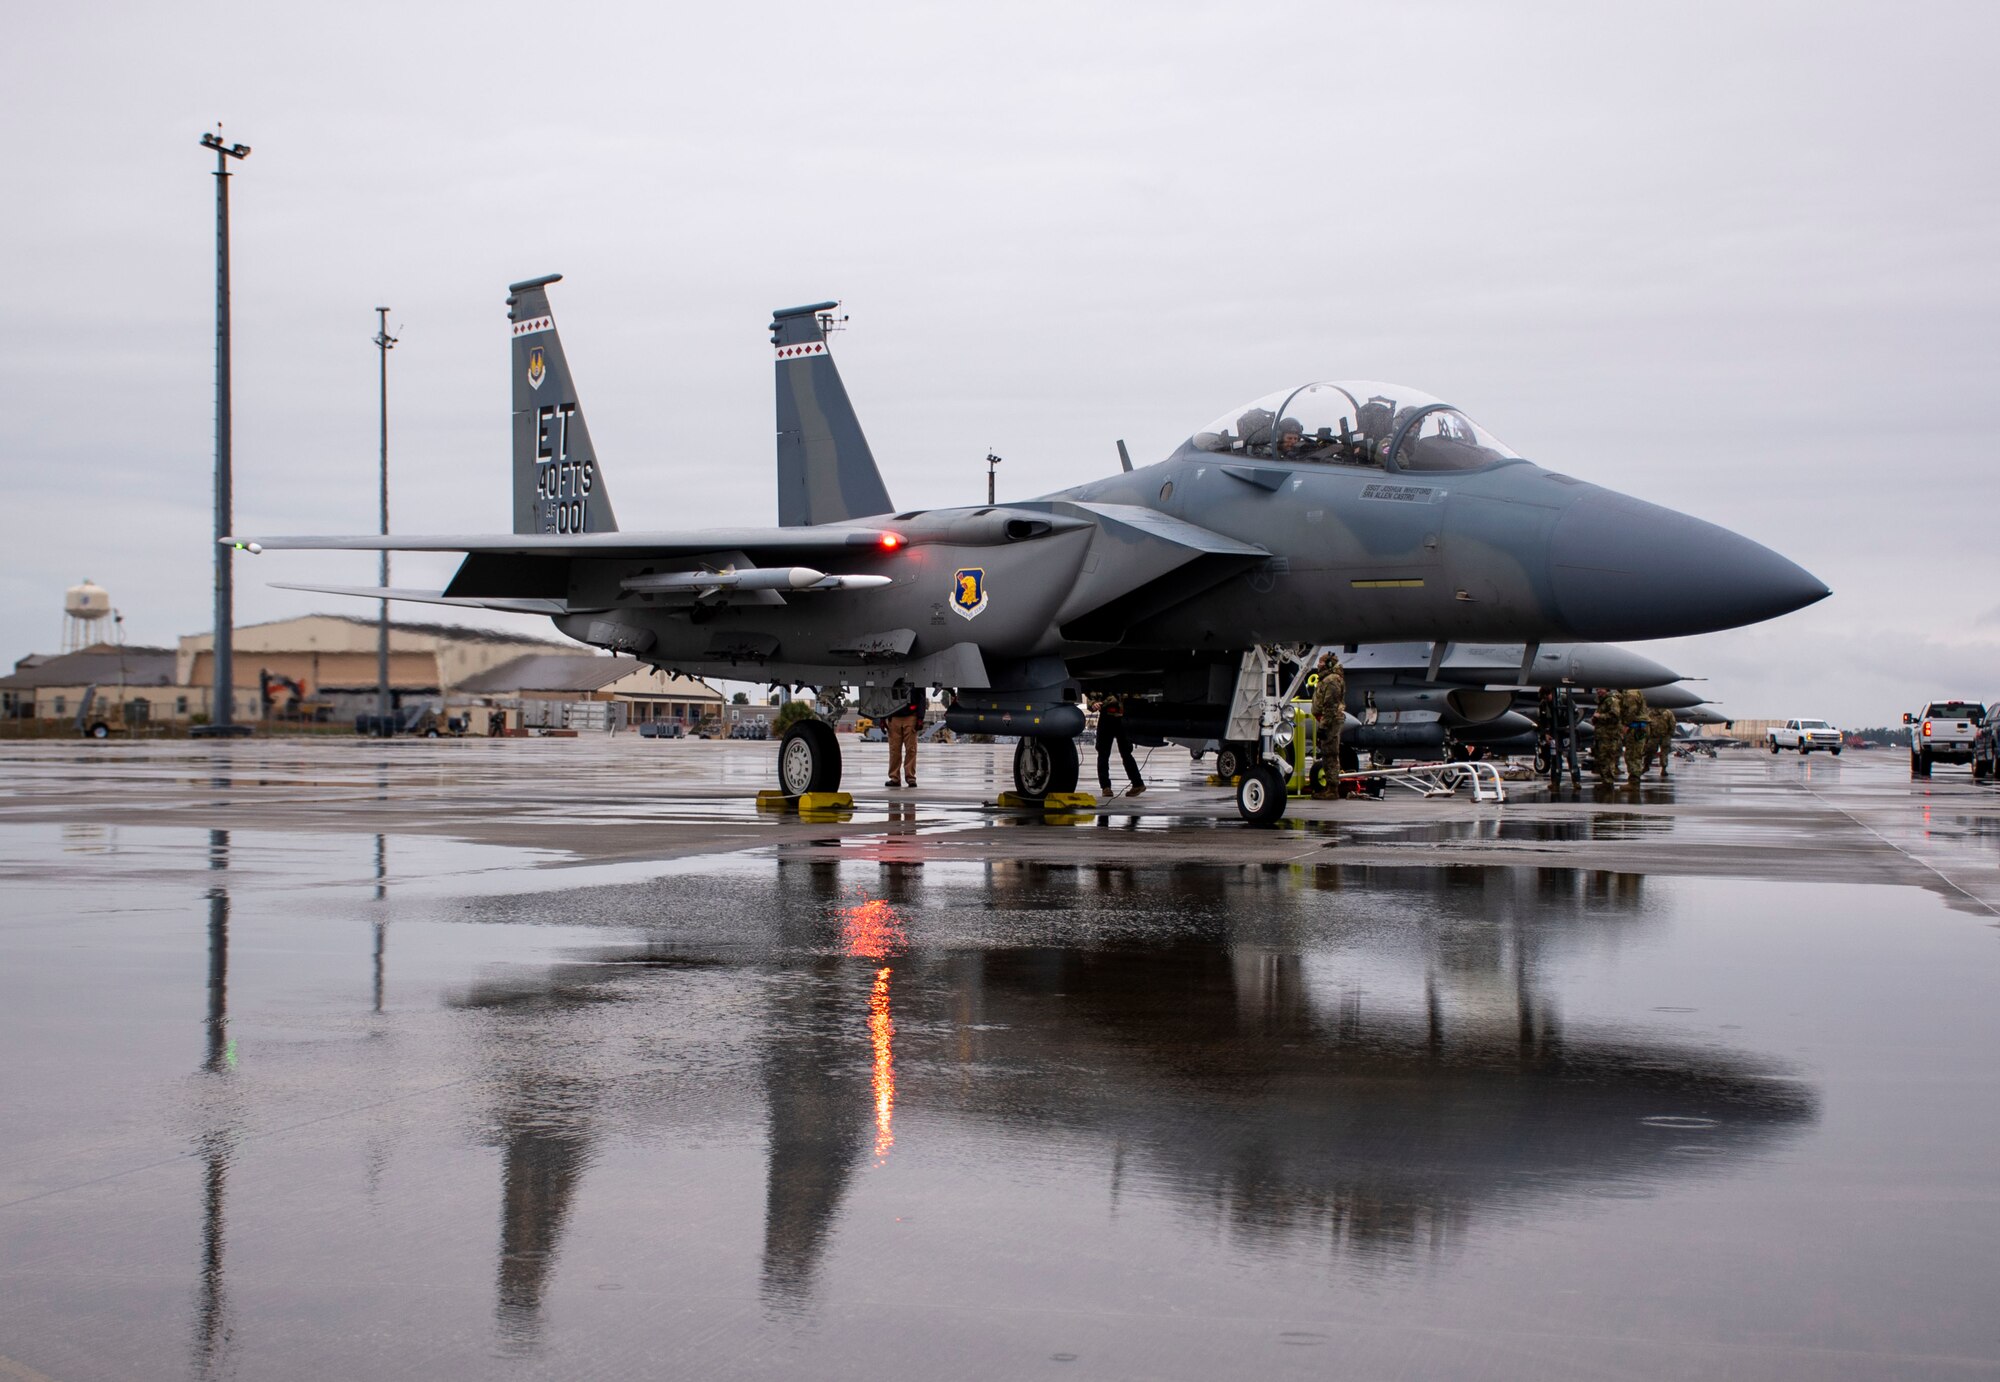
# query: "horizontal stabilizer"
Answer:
x=431 y=597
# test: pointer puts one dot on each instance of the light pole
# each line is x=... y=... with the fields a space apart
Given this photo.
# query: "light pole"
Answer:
x=222 y=709
x=383 y=342
x=991 y=461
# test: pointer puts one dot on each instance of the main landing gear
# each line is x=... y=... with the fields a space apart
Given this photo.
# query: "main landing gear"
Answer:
x=809 y=759
x=1044 y=767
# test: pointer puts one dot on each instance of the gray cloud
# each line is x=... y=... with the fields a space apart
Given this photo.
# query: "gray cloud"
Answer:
x=1735 y=276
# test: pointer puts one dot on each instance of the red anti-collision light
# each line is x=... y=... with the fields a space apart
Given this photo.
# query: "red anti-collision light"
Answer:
x=891 y=541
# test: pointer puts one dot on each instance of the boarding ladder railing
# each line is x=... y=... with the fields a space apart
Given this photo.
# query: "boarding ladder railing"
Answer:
x=1439 y=779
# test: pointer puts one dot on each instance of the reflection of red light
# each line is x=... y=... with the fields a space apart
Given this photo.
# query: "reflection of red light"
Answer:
x=891 y=541
x=873 y=931
x=882 y=1032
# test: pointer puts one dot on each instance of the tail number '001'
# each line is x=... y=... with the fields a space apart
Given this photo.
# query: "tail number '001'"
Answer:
x=565 y=517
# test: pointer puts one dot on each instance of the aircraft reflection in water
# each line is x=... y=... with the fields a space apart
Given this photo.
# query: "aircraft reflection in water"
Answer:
x=544 y=1129
x=1358 y=1061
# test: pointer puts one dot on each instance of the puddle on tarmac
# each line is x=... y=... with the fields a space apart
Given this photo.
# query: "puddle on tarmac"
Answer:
x=314 y=1105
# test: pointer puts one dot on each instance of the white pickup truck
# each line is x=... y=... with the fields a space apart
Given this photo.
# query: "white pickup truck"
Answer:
x=1805 y=736
x=1943 y=732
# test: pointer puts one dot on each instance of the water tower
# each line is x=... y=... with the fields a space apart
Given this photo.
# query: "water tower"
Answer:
x=83 y=606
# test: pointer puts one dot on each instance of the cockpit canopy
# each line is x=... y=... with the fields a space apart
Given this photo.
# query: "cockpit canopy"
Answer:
x=1354 y=422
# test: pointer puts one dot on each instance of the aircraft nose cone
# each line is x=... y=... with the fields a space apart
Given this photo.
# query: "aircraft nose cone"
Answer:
x=1623 y=568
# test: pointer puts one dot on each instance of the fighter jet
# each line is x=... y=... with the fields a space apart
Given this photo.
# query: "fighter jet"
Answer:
x=1330 y=512
x=1476 y=695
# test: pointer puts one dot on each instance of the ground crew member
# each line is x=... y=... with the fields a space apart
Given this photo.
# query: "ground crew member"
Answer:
x=1329 y=714
x=1660 y=739
x=901 y=725
x=1111 y=730
x=1638 y=723
x=1606 y=749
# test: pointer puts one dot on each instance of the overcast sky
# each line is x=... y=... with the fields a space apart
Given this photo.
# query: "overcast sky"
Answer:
x=1737 y=258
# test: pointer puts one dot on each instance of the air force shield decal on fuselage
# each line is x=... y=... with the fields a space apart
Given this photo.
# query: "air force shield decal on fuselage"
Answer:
x=537 y=371
x=968 y=591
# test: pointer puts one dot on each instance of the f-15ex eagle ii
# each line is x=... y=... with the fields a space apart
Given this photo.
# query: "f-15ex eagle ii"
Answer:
x=1331 y=513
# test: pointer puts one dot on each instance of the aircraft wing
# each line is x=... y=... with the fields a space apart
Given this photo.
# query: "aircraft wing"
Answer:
x=758 y=542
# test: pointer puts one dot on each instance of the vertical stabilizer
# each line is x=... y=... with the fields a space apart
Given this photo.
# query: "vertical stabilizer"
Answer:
x=558 y=487
x=826 y=473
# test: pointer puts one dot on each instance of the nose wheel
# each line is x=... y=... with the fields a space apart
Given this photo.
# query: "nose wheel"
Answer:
x=1260 y=796
x=809 y=759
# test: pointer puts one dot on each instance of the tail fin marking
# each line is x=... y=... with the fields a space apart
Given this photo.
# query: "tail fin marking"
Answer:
x=558 y=486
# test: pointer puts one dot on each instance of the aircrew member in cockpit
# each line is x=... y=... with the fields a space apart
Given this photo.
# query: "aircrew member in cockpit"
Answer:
x=1291 y=439
x=1254 y=431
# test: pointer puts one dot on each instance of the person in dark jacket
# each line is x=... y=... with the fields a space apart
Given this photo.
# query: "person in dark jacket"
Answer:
x=1111 y=730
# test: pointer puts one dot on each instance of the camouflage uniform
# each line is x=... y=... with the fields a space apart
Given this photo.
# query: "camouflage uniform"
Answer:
x=1634 y=721
x=1329 y=710
x=1660 y=738
x=1608 y=743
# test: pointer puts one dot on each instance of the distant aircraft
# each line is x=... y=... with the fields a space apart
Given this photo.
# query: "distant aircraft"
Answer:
x=1402 y=701
x=1331 y=512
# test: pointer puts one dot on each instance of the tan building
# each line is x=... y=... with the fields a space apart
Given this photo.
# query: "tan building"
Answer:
x=333 y=657
x=124 y=685
x=532 y=682
x=558 y=691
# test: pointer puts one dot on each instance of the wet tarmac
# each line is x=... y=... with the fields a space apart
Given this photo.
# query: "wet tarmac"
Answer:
x=542 y=1059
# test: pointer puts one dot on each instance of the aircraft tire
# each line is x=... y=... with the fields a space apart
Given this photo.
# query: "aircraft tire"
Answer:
x=1044 y=767
x=1317 y=780
x=1260 y=796
x=100 y=730
x=1230 y=761
x=809 y=759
